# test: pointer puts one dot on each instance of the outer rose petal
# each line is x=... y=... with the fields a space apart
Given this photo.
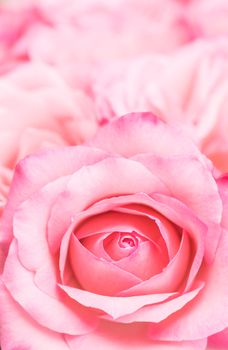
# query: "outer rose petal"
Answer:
x=139 y=133
x=119 y=337
x=93 y=183
x=19 y=331
x=206 y=240
x=223 y=189
x=189 y=181
x=198 y=319
x=112 y=305
x=219 y=340
x=143 y=133
x=157 y=313
x=29 y=225
x=36 y=171
x=48 y=311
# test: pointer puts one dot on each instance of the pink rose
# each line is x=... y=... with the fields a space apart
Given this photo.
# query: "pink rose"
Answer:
x=207 y=18
x=120 y=244
x=188 y=87
x=38 y=111
x=117 y=28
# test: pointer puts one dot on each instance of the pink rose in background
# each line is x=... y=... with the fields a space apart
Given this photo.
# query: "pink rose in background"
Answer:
x=113 y=29
x=89 y=31
x=188 y=87
x=207 y=18
x=38 y=111
x=118 y=244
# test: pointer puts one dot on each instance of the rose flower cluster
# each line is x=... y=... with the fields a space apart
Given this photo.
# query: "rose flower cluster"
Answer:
x=114 y=174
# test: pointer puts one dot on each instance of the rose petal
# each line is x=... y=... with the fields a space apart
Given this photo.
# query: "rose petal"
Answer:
x=85 y=185
x=137 y=133
x=181 y=215
x=205 y=238
x=16 y=325
x=165 y=228
x=95 y=244
x=219 y=340
x=97 y=275
x=47 y=311
x=205 y=315
x=190 y=181
x=114 y=306
x=119 y=245
x=157 y=313
x=120 y=337
x=223 y=190
x=36 y=171
x=115 y=220
x=170 y=278
x=147 y=260
x=30 y=221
